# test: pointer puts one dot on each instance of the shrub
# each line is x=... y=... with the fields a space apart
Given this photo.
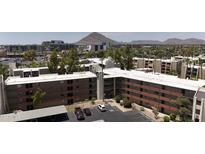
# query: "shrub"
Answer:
x=173 y=117
x=93 y=101
x=155 y=111
x=127 y=104
x=142 y=109
x=118 y=98
x=121 y=103
x=166 y=119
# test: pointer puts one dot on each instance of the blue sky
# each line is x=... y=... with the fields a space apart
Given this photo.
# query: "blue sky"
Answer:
x=70 y=37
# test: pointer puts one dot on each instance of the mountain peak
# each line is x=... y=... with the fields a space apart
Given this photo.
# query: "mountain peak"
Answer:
x=95 y=38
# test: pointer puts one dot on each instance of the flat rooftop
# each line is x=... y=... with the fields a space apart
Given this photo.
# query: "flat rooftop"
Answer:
x=162 y=79
x=32 y=114
x=152 y=59
x=29 y=69
x=14 y=80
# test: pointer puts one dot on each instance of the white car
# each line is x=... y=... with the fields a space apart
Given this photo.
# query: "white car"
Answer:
x=102 y=108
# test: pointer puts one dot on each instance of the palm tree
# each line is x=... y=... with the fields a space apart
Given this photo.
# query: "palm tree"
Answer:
x=37 y=97
x=200 y=62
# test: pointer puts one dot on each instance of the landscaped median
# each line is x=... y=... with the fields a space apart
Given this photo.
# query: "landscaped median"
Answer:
x=155 y=116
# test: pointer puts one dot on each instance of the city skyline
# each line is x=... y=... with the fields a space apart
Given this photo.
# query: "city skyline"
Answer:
x=72 y=37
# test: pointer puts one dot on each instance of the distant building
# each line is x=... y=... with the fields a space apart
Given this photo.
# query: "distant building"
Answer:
x=56 y=45
x=165 y=66
x=192 y=71
x=21 y=48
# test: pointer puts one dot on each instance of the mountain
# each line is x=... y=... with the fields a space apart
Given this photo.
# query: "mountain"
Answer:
x=194 y=41
x=95 y=38
x=146 y=42
x=171 y=41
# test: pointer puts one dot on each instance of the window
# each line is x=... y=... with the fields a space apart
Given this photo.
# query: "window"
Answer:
x=30 y=92
x=70 y=94
x=69 y=88
x=197 y=111
x=101 y=47
x=19 y=86
x=198 y=102
x=90 y=92
x=183 y=91
x=90 y=86
x=29 y=107
x=70 y=101
x=26 y=74
x=29 y=100
x=69 y=81
x=29 y=85
x=35 y=73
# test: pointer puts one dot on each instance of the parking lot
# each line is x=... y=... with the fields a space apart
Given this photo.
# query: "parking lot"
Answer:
x=113 y=114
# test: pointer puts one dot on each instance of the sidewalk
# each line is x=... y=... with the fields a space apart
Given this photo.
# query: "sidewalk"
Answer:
x=112 y=102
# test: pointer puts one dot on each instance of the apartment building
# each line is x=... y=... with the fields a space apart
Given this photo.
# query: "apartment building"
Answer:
x=155 y=90
x=146 y=89
x=165 y=66
x=60 y=89
x=192 y=71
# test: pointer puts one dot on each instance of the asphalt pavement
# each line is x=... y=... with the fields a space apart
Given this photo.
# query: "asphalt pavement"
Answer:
x=113 y=114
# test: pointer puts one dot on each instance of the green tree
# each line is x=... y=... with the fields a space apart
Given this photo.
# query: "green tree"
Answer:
x=122 y=56
x=72 y=61
x=184 y=112
x=90 y=54
x=53 y=62
x=37 y=97
x=173 y=116
x=62 y=64
x=29 y=55
x=127 y=57
x=4 y=71
x=35 y=64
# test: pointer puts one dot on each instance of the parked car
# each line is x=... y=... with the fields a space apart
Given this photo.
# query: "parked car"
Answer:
x=87 y=111
x=79 y=113
x=102 y=108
